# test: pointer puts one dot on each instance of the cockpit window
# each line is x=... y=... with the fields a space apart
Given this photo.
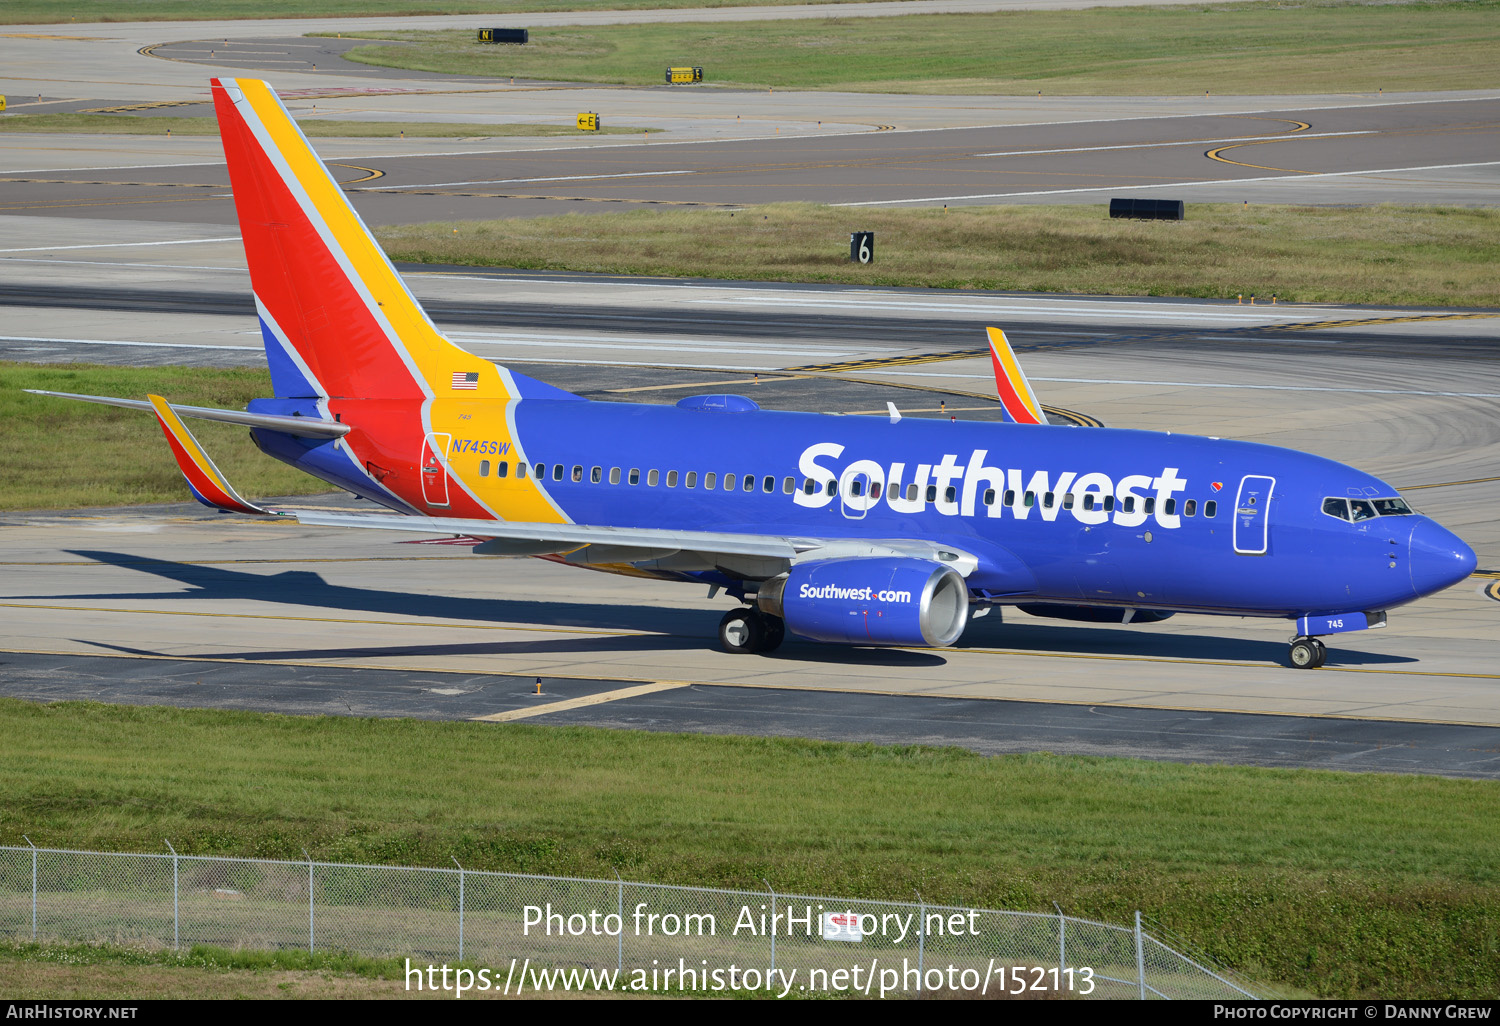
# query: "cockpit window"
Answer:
x=1365 y=509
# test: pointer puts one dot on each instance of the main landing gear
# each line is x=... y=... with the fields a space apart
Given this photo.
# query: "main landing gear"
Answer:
x=750 y=630
x=1308 y=653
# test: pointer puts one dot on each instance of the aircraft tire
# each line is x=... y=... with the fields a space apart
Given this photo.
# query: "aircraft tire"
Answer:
x=1304 y=654
x=741 y=632
x=1322 y=652
x=774 y=628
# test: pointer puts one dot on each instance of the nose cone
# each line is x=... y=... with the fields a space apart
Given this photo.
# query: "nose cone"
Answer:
x=1439 y=558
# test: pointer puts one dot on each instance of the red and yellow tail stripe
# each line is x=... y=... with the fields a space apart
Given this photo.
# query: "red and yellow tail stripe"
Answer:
x=317 y=270
x=209 y=486
x=340 y=324
x=1016 y=397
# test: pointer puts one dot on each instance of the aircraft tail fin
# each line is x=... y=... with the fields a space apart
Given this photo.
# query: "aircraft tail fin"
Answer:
x=1017 y=401
x=336 y=319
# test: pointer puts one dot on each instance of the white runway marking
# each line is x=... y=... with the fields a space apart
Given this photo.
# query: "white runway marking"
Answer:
x=1166 y=185
x=1182 y=142
x=1198 y=384
x=517 y=181
x=634 y=343
x=1043 y=306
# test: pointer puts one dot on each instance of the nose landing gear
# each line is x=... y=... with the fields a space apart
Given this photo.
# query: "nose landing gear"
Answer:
x=750 y=630
x=1308 y=653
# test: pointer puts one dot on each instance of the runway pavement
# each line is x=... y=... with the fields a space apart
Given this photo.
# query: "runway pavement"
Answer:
x=1412 y=400
x=1434 y=150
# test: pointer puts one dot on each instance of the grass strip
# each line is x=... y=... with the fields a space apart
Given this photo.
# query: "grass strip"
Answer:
x=1348 y=885
x=129 y=124
x=1399 y=255
x=111 y=456
x=1311 y=46
x=45 y=12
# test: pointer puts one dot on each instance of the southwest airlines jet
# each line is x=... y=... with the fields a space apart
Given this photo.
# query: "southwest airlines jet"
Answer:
x=854 y=530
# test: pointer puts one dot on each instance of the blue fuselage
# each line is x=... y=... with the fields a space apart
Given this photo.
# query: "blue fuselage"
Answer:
x=1088 y=516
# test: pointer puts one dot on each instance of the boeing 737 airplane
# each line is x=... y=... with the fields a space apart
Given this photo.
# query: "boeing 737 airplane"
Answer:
x=847 y=529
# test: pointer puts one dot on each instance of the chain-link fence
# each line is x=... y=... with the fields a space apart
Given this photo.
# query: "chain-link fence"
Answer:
x=663 y=937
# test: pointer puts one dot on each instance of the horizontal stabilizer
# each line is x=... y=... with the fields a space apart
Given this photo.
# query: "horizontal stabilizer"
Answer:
x=208 y=485
x=305 y=427
x=1017 y=401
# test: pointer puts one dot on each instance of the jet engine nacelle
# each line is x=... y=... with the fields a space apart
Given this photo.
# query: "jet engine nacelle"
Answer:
x=888 y=601
x=1093 y=614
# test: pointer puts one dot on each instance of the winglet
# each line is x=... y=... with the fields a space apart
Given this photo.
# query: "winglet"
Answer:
x=208 y=485
x=1016 y=398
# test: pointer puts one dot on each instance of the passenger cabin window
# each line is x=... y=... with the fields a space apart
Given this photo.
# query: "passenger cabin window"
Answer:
x=1047 y=499
x=950 y=494
x=989 y=496
x=691 y=480
x=1130 y=504
x=809 y=486
x=1068 y=499
x=1010 y=496
x=1109 y=503
x=540 y=470
x=709 y=480
x=833 y=487
x=634 y=476
x=1210 y=509
x=911 y=492
x=1169 y=507
x=557 y=471
x=596 y=475
x=520 y=470
x=788 y=485
x=1189 y=508
x=857 y=486
x=652 y=477
x=614 y=475
x=768 y=485
x=932 y=493
x=874 y=489
x=729 y=480
x=502 y=469
x=577 y=473
x=1029 y=498
x=484 y=468
x=1336 y=508
x=1088 y=500
x=749 y=483
x=671 y=479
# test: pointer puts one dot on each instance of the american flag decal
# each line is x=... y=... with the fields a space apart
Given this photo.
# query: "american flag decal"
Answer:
x=466 y=380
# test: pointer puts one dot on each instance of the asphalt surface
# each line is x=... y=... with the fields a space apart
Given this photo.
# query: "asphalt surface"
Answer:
x=1077 y=160
x=985 y=726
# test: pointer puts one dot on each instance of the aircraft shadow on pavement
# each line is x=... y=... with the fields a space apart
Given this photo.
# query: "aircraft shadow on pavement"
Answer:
x=307 y=588
x=666 y=628
x=1149 y=641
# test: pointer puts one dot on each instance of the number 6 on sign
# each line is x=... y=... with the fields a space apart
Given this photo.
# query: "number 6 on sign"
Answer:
x=862 y=247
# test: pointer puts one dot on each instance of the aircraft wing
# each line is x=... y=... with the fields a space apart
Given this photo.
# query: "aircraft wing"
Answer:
x=566 y=537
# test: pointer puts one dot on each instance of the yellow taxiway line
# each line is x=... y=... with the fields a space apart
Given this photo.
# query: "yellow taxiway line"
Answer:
x=579 y=703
